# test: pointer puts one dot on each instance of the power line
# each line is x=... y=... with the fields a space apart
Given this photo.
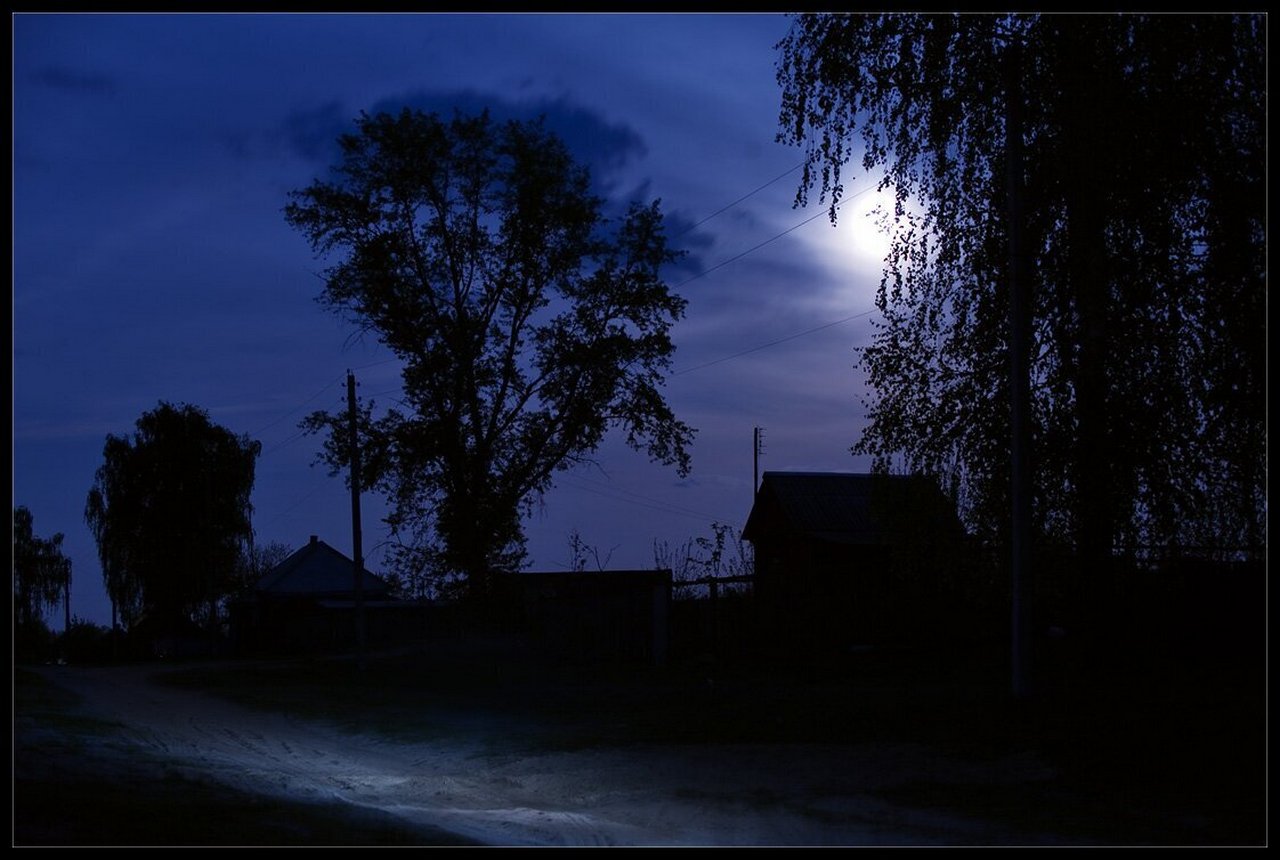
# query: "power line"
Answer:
x=666 y=509
x=337 y=379
x=671 y=508
x=295 y=505
x=756 y=248
x=749 y=194
x=288 y=441
x=376 y=363
x=774 y=343
x=285 y=415
x=751 y=250
x=773 y=238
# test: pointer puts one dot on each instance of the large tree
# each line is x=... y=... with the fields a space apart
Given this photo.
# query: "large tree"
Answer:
x=170 y=511
x=41 y=574
x=1144 y=221
x=527 y=321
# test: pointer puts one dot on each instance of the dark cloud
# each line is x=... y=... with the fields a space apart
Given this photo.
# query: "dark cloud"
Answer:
x=314 y=133
x=603 y=147
x=693 y=244
x=73 y=80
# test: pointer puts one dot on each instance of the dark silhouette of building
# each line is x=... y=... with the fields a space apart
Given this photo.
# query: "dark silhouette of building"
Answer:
x=307 y=604
x=602 y=616
x=845 y=560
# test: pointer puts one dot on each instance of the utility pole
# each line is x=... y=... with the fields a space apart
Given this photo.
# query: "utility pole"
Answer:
x=356 y=549
x=757 y=450
x=1020 y=376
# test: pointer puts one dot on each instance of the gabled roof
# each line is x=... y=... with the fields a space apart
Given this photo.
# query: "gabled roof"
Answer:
x=844 y=508
x=320 y=570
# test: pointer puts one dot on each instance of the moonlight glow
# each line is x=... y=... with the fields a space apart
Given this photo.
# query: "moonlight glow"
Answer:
x=854 y=249
x=866 y=220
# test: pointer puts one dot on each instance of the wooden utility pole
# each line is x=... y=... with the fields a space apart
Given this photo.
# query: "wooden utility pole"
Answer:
x=1019 y=377
x=356 y=549
x=757 y=449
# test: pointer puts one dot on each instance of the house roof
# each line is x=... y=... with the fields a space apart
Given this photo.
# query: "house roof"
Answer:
x=843 y=508
x=318 y=569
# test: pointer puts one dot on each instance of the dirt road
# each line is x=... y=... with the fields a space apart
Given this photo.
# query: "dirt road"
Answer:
x=758 y=794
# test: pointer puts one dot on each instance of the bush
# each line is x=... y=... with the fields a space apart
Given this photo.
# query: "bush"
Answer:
x=34 y=642
x=86 y=642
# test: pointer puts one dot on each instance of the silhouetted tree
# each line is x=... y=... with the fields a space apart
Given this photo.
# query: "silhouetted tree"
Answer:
x=41 y=576
x=1145 y=172
x=170 y=512
x=723 y=554
x=256 y=560
x=580 y=552
x=528 y=325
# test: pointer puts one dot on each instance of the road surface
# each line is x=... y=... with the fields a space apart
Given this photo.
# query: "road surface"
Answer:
x=635 y=795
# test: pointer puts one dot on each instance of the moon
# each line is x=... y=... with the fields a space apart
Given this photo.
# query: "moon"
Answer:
x=867 y=216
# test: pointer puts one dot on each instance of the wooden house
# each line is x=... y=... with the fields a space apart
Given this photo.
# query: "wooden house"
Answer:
x=845 y=560
x=308 y=604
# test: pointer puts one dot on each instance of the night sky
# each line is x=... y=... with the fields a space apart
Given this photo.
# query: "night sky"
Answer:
x=152 y=158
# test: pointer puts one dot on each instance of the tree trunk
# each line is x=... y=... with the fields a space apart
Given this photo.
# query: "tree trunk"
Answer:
x=1084 y=124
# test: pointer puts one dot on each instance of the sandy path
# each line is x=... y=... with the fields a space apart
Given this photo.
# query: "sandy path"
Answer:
x=635 y=795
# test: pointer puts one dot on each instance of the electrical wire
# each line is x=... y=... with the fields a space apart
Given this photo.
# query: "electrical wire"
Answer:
x=640 y=496
x=773 y=238
x=780 y=340
x=746 y=196
x=285 y=415
x=666 y=509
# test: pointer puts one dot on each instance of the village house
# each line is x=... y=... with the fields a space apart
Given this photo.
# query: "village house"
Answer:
x=850 y=560
x=307 y=604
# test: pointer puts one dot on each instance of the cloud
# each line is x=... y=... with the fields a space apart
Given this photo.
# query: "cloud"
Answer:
x=313 y=134
x=602 y=146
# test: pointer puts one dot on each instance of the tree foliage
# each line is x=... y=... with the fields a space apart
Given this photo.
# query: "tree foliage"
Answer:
x=41 y=573
x=1144 y=214
x=527 y=322
x=170 y=512
x=721 y=555
x=256 y=560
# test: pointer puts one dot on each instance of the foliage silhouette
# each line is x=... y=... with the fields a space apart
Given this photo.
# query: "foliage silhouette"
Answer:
x=528 y=325
x=170 y=512
x=721 y=555
x=1145 y=213
x=41 y=578
x=255 y=561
